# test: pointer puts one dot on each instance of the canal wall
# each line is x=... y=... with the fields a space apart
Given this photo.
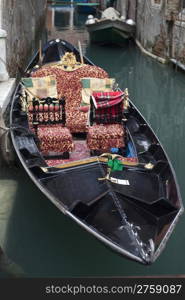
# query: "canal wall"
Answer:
x=156 y=24
x=179 y=38
x=22 y=24
x=23 y=20
x=161 y=29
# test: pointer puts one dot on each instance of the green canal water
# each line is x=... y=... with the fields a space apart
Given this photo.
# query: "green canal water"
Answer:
x=45 y=243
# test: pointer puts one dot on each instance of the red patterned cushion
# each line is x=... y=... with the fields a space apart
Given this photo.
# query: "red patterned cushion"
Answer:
x=104 y=137
x=54 y=138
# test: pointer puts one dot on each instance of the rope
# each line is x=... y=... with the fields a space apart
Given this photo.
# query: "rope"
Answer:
x=3 y=61
x=24 y=132
x=5 y=134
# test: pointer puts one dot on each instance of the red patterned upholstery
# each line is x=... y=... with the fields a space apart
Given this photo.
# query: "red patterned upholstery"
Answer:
x=103 y=137
x=69 y=86
x=47 y=120
x=107 y=113
x=54 y=138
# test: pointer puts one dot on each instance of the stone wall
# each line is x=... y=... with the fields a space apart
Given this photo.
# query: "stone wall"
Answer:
x=160 y=26
x=24 y=22
x=152 y=29
x=158 y=30
x=127 y=8
x=179 y=38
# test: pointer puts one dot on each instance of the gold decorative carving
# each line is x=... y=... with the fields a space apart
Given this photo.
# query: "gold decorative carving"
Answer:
x=69 y=63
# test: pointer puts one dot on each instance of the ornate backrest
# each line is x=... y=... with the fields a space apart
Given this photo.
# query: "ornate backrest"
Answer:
x=40 y=101
x=46 y=111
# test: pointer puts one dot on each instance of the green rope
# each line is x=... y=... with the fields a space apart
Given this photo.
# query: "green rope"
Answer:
x=115 y=165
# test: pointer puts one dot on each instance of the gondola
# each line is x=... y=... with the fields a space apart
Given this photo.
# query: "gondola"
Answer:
x=128 y=197
x=110 y=29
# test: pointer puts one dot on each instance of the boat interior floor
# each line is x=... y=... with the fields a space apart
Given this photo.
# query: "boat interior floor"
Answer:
x=129 y=220
x=138 y=191
x=81 y=151
x=91 y=189
x=146 y=187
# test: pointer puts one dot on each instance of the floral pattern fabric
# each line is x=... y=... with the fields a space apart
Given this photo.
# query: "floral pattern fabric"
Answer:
x=103 y=137
x=55 y=139
x=70 y=87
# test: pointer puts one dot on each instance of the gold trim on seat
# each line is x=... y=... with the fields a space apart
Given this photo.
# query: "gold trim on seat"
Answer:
x=88 y=161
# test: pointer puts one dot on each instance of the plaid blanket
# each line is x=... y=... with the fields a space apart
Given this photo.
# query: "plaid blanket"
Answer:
x=41 y=87
x=90 y=85
x=108 y=107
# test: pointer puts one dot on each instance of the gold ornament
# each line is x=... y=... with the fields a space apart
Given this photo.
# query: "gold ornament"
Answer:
x=69 y=63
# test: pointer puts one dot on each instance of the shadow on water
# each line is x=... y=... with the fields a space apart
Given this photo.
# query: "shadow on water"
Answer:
x=42 y=240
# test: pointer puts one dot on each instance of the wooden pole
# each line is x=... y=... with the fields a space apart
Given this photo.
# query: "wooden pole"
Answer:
x=80 y=50
x=102 y=4
x=40 y=52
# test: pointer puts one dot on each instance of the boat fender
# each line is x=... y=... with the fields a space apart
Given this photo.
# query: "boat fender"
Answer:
x=130 y=22
x=122 y=18
x=90 y=20
x=114 y=150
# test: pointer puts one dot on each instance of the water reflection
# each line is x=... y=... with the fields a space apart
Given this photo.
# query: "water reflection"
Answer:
x=41 y=239
x=64 y=21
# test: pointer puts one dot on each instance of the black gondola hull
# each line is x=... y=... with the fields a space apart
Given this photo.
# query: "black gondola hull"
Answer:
x=136 y=220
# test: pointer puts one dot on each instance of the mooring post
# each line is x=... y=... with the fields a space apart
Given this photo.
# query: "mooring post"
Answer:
x=1 y=132
x=3 y=71
x=3 y=35
x=122 y=7
x=102 y=4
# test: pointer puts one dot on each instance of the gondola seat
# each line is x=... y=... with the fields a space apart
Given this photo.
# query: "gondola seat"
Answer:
x=106 y=115
x=103 y=137
x=54 y=139
x=47 y=119
x=49 y=124
x=69 y=86
x=47 y=115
